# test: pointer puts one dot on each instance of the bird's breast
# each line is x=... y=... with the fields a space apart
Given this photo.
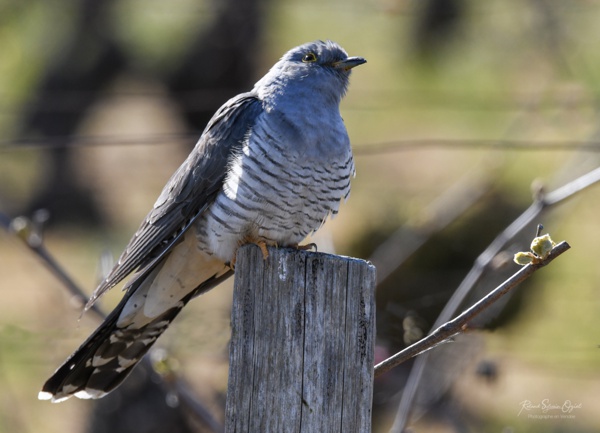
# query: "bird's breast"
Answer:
x=276 y=191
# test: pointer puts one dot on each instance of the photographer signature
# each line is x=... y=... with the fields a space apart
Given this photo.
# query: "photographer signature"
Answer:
x=546 y=406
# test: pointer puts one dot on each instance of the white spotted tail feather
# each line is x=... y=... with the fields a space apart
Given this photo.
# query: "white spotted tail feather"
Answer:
x=153 y=300
x=103 y=360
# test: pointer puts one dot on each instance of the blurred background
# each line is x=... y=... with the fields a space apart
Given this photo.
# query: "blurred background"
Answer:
x=463 y=111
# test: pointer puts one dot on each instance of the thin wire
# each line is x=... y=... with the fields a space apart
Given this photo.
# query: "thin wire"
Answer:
x=68 y=100
x=48 y=143
x=502 y=144
x=385 y=147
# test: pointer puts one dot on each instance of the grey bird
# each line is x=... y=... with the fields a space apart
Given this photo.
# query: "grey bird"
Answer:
x=270 y=167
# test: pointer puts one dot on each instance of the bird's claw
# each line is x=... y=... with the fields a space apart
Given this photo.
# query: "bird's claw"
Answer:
x=262 y=244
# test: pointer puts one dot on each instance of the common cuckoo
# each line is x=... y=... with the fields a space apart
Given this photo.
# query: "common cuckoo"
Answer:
x=271 y=165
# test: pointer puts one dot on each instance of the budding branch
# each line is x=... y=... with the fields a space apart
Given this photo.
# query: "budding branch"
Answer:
x=461 y=322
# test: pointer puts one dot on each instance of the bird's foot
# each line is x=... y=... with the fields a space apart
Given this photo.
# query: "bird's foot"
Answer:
x=263 y=248
x=261 y=243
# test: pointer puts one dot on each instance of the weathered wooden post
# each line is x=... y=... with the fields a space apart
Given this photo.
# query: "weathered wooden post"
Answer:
x=301 y=356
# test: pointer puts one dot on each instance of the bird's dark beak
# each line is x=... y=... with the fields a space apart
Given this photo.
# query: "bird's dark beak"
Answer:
x=349 y=63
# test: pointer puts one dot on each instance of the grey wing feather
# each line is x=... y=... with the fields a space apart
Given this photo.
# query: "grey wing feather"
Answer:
x=188 y=193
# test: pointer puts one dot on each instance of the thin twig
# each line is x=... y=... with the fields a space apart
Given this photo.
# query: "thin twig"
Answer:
x=541 y=203
x=30 y=233
x=26 y=231
x=460 y=323
x=440 y=213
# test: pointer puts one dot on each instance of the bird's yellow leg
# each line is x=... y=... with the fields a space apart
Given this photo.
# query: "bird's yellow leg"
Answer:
x=261 y=243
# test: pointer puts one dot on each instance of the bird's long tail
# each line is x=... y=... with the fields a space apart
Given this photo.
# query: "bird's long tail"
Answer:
x=106 y=358
x=153 y=300
x=155 y=295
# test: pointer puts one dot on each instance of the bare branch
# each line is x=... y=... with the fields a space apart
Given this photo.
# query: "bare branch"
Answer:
x=461 y=322
x=542 y=202
x=440 y=213
x=30 y=232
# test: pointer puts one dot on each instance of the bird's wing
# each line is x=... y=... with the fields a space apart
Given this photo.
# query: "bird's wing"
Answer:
x=188 y=193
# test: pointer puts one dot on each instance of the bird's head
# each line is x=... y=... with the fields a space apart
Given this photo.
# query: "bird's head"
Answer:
x=320 y=66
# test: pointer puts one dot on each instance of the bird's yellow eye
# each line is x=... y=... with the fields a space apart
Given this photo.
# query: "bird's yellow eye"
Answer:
x=309 y=57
